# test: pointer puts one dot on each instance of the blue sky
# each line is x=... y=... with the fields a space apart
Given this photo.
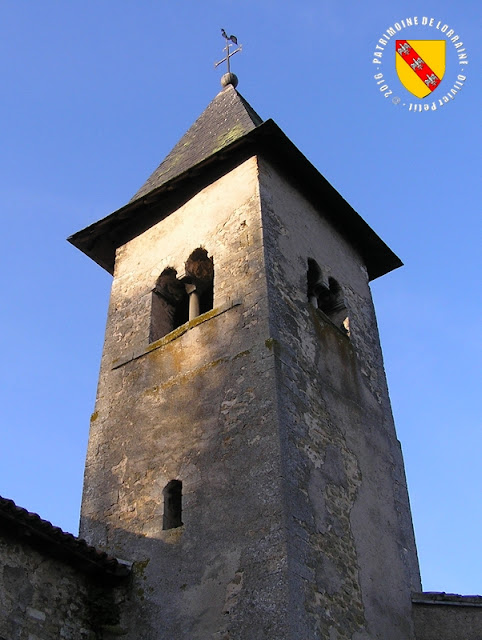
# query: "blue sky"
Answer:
x=95 y=94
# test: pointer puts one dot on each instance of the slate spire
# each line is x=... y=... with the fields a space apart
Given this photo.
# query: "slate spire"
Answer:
x=227 y=118
x=228 y=131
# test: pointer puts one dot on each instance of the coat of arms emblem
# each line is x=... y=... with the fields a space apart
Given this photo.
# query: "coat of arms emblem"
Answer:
x=420 y=65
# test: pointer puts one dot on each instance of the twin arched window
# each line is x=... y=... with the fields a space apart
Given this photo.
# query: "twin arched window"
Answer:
x=326 y=295
x=175 y=300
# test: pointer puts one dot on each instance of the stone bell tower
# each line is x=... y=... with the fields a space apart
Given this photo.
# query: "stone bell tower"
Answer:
x=242 y=451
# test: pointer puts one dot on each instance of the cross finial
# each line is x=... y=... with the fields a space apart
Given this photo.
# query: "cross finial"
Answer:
x=229 y=78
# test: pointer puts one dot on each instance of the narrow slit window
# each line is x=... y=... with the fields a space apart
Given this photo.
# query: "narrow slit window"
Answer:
x=172 y=517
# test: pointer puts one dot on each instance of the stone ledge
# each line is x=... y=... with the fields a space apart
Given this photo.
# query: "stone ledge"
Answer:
x=177 y=333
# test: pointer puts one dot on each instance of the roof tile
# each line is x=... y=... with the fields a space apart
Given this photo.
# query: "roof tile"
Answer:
x=31 y=527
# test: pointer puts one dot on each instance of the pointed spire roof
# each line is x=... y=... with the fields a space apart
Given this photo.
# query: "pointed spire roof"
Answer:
x=228 y=132
x=227 y=118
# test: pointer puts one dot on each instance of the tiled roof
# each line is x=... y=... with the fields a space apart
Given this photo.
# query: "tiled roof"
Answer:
x=30 y=529
x=446 y=599
x=227 y=118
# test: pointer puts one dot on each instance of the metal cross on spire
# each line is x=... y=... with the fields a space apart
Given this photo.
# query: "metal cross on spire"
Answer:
x=229 y=78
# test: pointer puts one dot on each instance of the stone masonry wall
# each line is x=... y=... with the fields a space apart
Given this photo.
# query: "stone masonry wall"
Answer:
x=197 y=406
x=42 y=598
x=448 y=617
x=352 y=558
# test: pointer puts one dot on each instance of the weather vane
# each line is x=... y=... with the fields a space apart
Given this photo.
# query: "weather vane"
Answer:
x=229 y=78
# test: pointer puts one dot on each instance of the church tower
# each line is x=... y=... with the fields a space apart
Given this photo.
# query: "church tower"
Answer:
x=242 y=451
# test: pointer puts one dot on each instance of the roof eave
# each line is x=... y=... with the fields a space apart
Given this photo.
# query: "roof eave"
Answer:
x=24 y=526
x=100 y=240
